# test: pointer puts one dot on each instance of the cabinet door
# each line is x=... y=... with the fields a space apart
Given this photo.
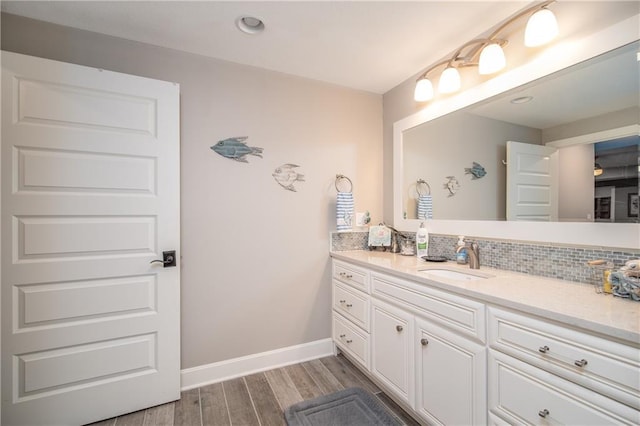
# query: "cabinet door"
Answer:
x=451 y=377
x=392 y=353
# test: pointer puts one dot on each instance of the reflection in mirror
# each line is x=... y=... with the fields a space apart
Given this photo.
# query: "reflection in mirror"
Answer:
x=616 y=188
x=588 y=113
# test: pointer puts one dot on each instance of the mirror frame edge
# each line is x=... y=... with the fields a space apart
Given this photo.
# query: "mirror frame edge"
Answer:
x=555 y=58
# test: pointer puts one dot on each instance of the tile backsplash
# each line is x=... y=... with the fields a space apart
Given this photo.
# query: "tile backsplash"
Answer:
x=546 y=260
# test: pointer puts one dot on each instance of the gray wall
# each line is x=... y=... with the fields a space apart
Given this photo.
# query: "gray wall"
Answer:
x=255 y=264
x=576 y=188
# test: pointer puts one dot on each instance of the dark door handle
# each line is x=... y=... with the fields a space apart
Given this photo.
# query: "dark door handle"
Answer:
x=168 y=259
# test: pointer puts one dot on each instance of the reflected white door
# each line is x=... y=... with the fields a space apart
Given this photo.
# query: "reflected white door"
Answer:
x=532 y=182
x=90 y=195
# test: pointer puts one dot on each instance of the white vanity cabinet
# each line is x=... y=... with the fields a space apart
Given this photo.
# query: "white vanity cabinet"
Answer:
x=456 y=360
x=446 y=361
x=570 y=377
x=351 y=311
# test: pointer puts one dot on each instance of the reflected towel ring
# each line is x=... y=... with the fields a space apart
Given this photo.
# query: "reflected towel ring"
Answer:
x=422 y=183
x=343 y=177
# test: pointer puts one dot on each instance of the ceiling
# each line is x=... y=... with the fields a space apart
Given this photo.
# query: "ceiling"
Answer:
x=366 y=45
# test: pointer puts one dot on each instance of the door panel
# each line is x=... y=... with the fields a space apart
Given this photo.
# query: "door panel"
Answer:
x=532 y=182
x=90 y=195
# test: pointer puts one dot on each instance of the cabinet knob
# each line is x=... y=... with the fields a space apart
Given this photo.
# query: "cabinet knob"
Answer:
x=342 y=301
x=342 y=336
x=543 y=413
x=349 y=340
x=424 y=342
x=349 y=305
x=398 y=328
x=580 y=362
x=349 y=276
x=543 y=349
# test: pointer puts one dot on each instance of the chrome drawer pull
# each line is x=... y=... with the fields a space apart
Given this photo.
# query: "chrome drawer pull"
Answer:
x=580 y=362
x=544 y=413
x=543 y=349
x=398 y=328
x=424 y=342
x=349 y=340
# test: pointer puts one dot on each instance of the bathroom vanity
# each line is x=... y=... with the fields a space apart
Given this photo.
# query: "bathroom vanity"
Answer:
x=459 y=346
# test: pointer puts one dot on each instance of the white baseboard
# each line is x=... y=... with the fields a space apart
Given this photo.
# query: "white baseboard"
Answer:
x=237 y=367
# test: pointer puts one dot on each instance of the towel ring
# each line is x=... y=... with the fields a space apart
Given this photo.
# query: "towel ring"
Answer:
x=343 y=177
x=422 y=183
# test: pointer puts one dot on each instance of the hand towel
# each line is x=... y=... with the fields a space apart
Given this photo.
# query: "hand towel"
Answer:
x=344 y=211
x=425 y=207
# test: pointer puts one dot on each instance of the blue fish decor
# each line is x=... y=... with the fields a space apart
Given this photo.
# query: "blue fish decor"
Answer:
x=236 y=149
x=476 y=171
x=452 y=185
x=286 y=176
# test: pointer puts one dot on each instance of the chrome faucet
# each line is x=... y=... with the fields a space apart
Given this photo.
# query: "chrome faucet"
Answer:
x=473 y=252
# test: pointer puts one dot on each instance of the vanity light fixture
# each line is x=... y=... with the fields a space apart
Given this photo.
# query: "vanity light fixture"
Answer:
x=541 y=28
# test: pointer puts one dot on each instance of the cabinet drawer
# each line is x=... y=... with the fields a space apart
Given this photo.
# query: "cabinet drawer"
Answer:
x=461 y=314
x=351 y=275
x=605 y=366
x=521 y=393
x=351 y=340
x=352 y=305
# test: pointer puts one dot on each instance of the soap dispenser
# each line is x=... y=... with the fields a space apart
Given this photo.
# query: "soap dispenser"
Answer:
x=422 y=241
x=461 y=252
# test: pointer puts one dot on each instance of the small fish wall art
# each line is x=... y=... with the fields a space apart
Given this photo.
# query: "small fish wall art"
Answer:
x=476 y=171
x=236 y=149
x=286 y=176
x=452 y=185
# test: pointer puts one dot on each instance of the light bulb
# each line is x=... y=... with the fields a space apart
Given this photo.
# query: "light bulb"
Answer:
x=542 y=27
x=449 y=81
x=423 y=91
x=491 y=59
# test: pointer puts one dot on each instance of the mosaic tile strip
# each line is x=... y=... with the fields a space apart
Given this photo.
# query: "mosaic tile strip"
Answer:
x=342 y=241
x=565 y=263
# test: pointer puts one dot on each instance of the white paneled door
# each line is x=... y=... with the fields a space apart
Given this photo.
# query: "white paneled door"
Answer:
x=90 y=196
x=532 y=182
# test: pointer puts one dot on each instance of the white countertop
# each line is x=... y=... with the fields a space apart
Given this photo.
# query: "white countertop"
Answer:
x=571 y=303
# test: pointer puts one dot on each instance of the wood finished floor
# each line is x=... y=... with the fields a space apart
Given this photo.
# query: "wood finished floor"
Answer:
x=258 y=399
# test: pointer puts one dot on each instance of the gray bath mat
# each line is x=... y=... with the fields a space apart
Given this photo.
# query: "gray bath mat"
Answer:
x=353 y=407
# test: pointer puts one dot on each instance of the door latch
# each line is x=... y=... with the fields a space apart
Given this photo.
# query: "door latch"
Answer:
x=168 y=259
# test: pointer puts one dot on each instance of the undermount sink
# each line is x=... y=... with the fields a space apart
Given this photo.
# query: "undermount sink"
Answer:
x=454 y=275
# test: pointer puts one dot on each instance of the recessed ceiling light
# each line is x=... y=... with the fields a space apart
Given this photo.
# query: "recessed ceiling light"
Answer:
x=250 y=24
x=522 y=100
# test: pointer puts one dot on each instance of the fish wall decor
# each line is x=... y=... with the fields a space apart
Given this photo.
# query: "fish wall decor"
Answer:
x=286 y=176
x=452 y=185
x=236 y=149
x=476 y=171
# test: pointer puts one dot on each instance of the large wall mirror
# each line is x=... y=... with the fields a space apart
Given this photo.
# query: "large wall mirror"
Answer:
x=585 y=117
